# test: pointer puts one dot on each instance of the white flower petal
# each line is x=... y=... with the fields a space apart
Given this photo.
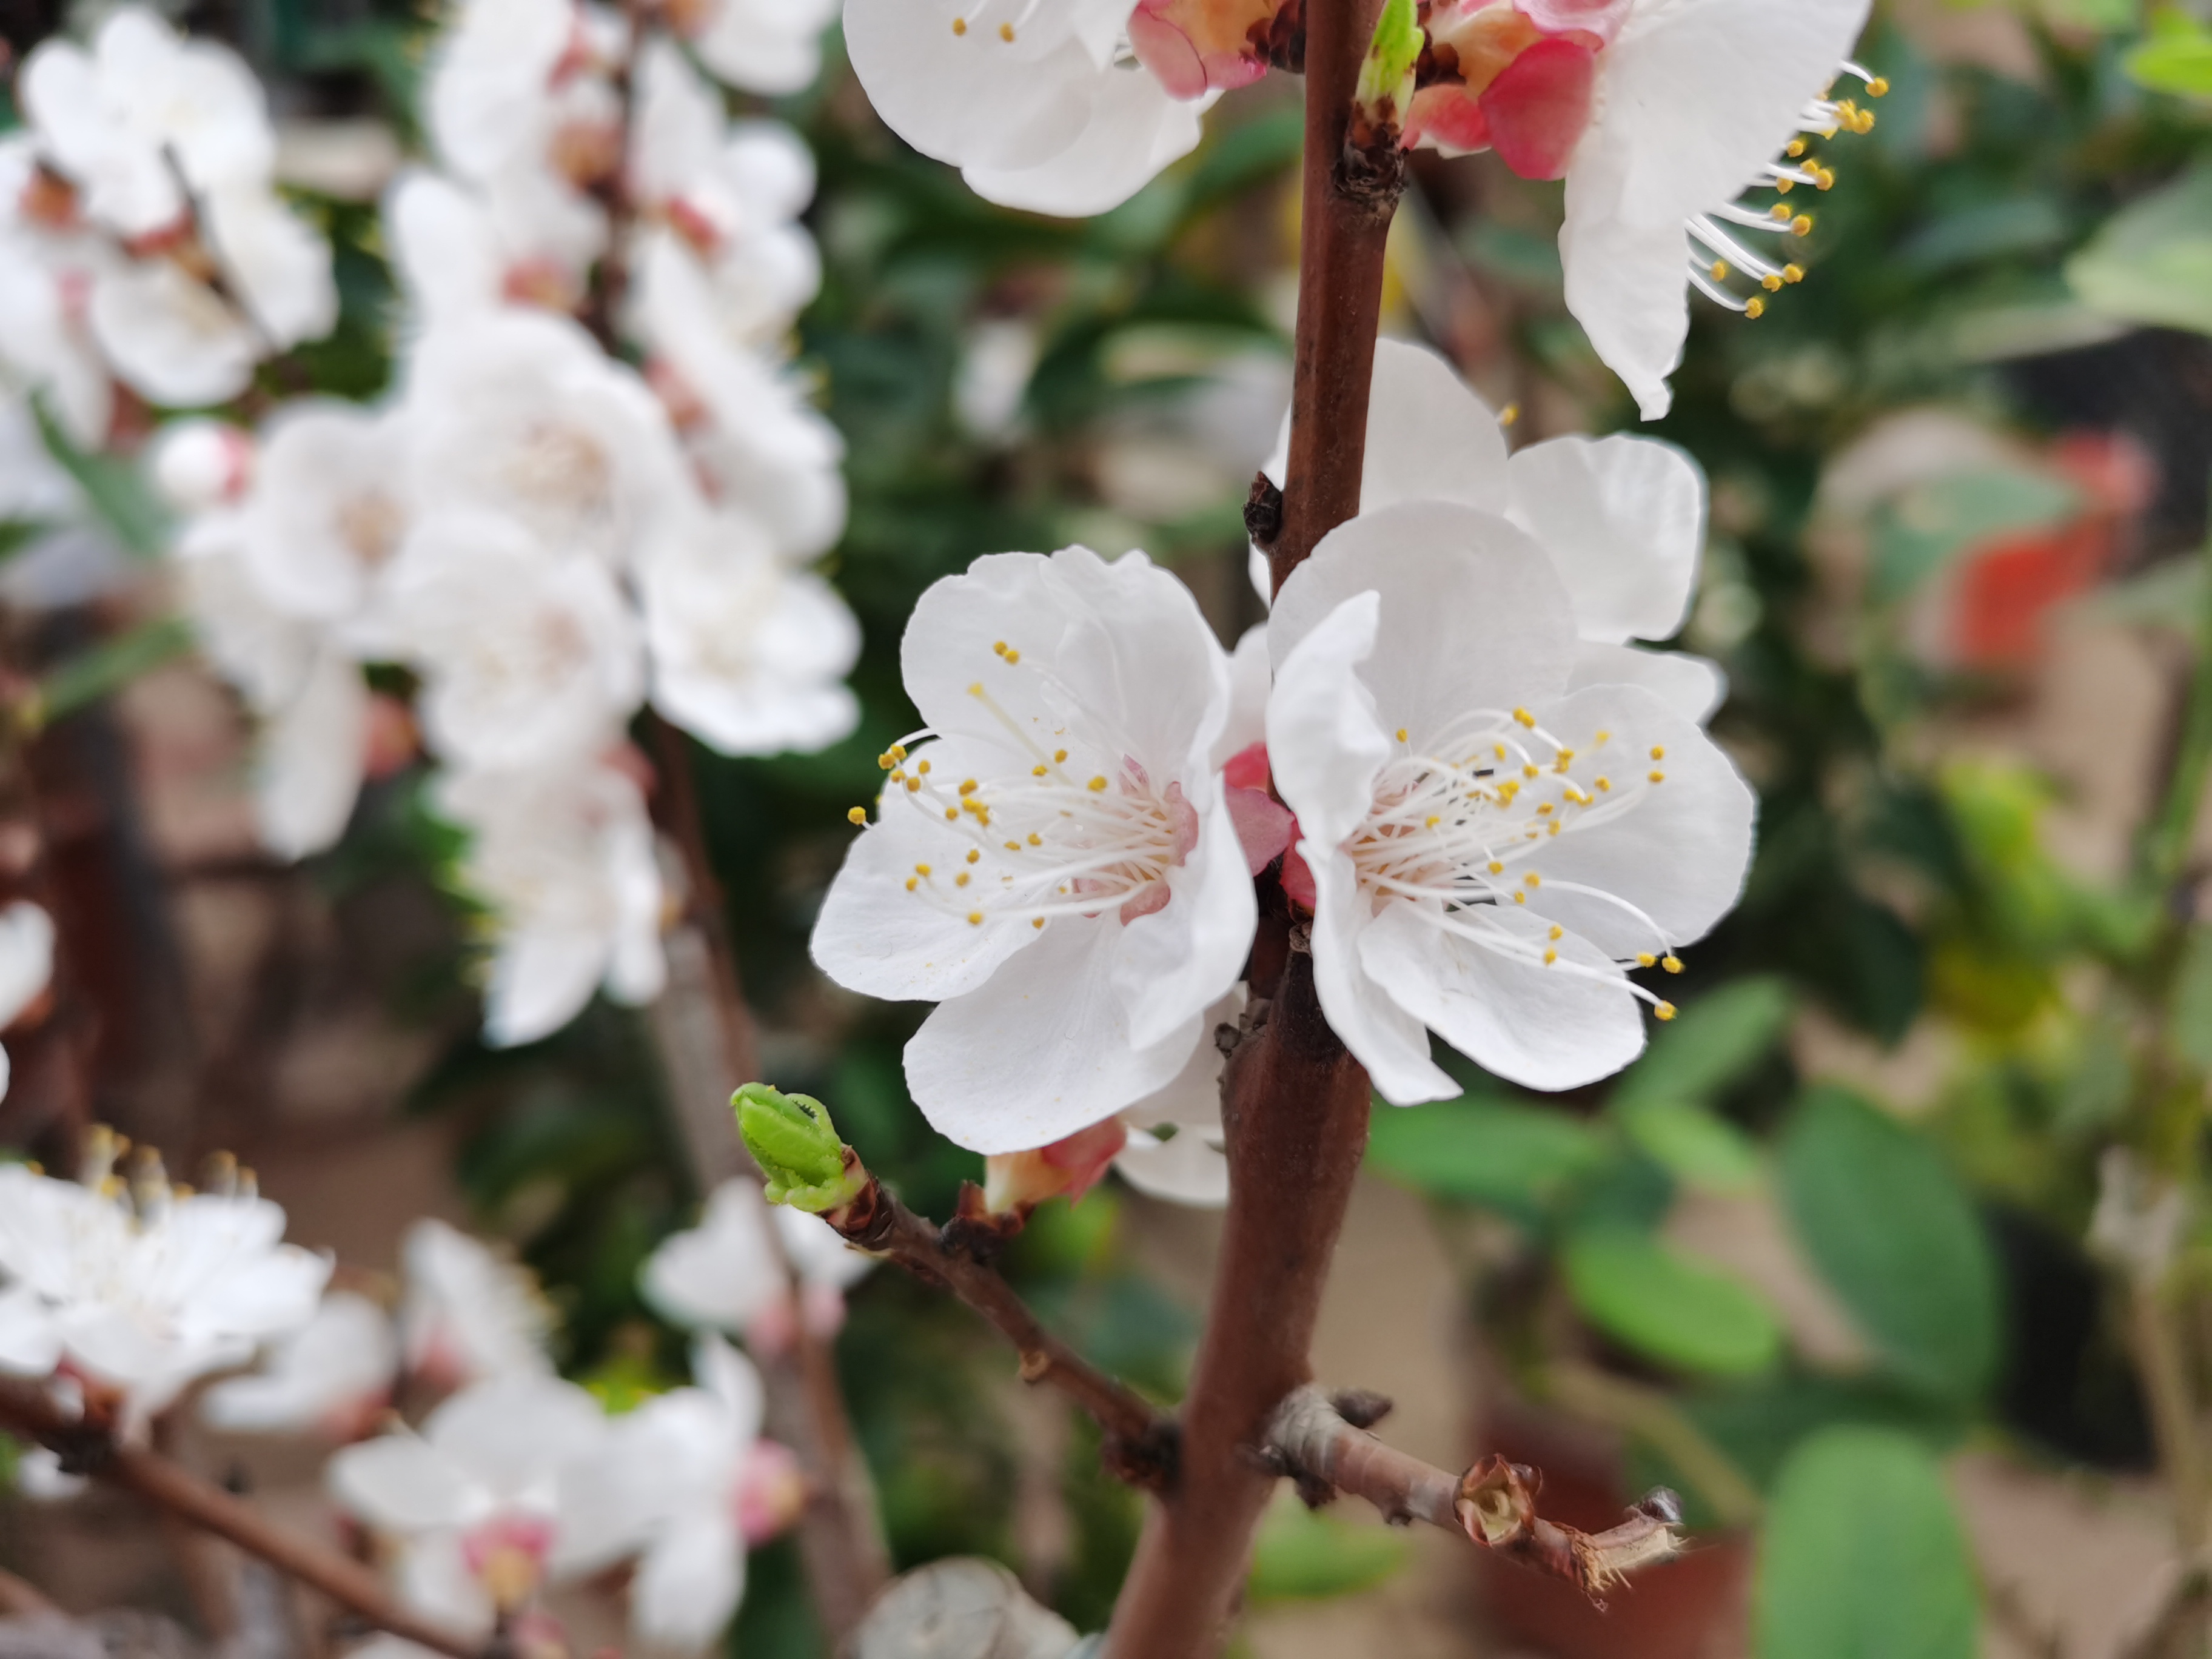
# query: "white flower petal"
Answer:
x=972 y=98
x=1135 y=131
x=1543 y=1027
x=308 y=771
x=1624 y=521
x=401 y=1483
x=1429 y=437
x=1185 y=955
x=1041 y=1050
x=688 y=1583
x=1382 y=1035
x=720 y=1273
x=1627 y=286
x=1690 y=685
x=27 y=958
x=30 y=1343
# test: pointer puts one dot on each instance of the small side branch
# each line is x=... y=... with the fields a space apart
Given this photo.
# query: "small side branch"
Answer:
x=87 y=1450
x=1493 y=1503
x=1140 y=1439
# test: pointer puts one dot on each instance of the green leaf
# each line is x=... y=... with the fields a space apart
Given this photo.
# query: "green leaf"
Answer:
x=2176 y=58
x=1303 y=1555
x=1654 y=1299
x=1891 y=1231
x=2152 y=263
x=114 y=489
x=1516 y=1159
x=796 y=1146
x=93 y=674
x=1863 y=1556
x=1693 y=1143
x=1710 y=1044
x=2189 y=1018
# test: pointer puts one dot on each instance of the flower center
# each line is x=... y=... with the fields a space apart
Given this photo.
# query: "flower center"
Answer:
x=1461 y=822
x=563 y=467
x=1069 y=833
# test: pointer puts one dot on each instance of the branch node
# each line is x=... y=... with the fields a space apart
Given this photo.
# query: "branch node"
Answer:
x=1361 y=1408
x=977 y=1232
x=1370 y=171
x=1263 y=511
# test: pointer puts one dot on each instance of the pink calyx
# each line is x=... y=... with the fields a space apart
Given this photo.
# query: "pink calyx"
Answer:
x=1539 y=107
x=1072 y=1165
x=1192 y=47
x=1264 y=825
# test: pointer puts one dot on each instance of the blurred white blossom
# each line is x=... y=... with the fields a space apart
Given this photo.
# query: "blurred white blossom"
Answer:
x=333 y=1376
x=468 y=1314
x=724 y=1274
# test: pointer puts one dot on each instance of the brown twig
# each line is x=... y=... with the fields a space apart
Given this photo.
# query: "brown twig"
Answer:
x=20 y=1599
x=1294 y=1103
x=705 y=1034
x=179 y=1493
x=1140 y=1440
x=1493 y=1503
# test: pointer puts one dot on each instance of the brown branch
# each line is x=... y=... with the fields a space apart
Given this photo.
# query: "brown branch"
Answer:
x=1493 y=1503
x=1140 y=1439
x=177 y=1491
x=20 y=1599
x=1294 y=1103
x=705 y=1034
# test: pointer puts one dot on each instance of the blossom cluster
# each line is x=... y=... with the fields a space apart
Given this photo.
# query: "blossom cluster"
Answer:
x=1660 y=115
x=122 y=1292
x=142 y=240
x=540 y=537
x=1492 y=811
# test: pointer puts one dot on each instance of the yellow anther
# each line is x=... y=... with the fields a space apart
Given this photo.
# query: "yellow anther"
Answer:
x=1665 y=1010
x=1520 y=898
x=884 y=763
x=1525 y=718
x=1550 y=956
x=1783 y=186
x=1604 y=736
x=1058 y=756
x=968 y=786
x=1796 y=148
x=1657 y=777
x=1401 y=734
x=1495 y=867
x=999 y=648
x=922 y=768
x=1658 y=752
x=1793 y=273
x=1007 y=33
x=1509 y=414
x=914 y=785
x=1533 y=879
x=1559 y=933
x=912 y=883
x=921 y=869
x=1545 y=811
x=1553 y=828
x=960 y=880
x=1433 y=821
x=952 y=815
x=1038 y=923
x=976 y=689
x=1605 y=783
x=1779 y=214
x=1720 y=270
x=898 y=752
x=1532 y=771
x=960 y=26
x=1754 y=308
x=1038 y=771
x=1012 y=657
x=1096 y=785
x=974 y=854
x=1824 y=177
x=1036 y=840
x=1771 y=282
x=857 y=814
x=1645 y=959
x=975 y=918
x=1879 y=87
x=1672 y=963
x=1498 y=750
x=1801 y=225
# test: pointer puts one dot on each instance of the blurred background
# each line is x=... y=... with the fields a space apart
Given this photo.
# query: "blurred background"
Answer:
x=1890 y=1256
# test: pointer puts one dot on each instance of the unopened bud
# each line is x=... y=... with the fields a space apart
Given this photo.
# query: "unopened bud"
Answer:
x=796 y=1146
x=1386 y=74
x=202 y=464
x=1019 y=1182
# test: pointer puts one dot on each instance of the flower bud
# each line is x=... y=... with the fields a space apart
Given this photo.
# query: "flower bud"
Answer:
x=1019 y=1182
x=1386 y=74
x=202 y=464
x=796 y=1146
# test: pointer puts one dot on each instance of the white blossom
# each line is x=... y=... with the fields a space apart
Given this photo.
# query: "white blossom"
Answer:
x=1055 y=866
x=26 y=967
x=1491 y=853
x=139 y=1289
x=469 y=1314
x=747 y=654
x=563 y=857
x=332 y=1377
x=479 y=1501
x=725 y=1274
x=687 y=1476
x=1621 y=519
x=756 y=46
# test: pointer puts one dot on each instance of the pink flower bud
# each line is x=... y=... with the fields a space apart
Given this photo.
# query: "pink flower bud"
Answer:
x=771 y=1491
x=1023 y=1181
x=1196 y=46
